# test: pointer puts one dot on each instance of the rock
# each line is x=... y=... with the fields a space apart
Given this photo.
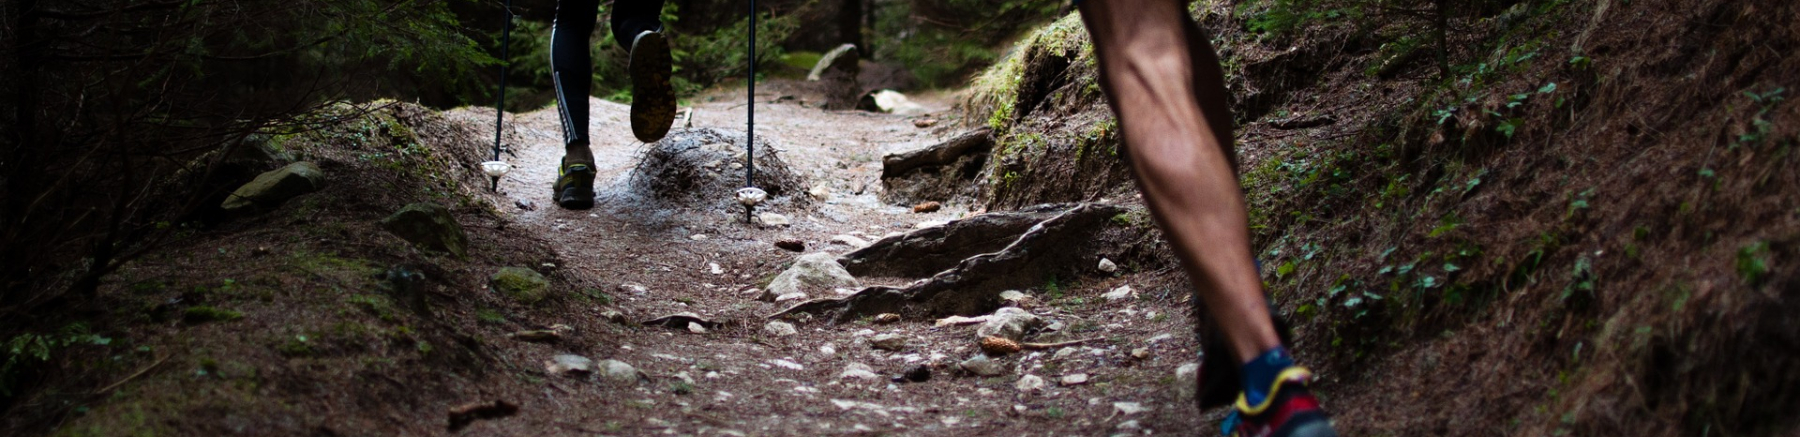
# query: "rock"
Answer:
x=672 y=173
x=835 y=77
x=1140 y=353
x=1187 y=380
x=785 y=364
x=858 y=371
x=525 y=204
x=849 y=240
x=815 y=271
x=1009 y=323
x=430 y=227
x=1030 y=383
x=1064 y=353
x=273 y=187
x=1074 y=379
x=789 y=297
x=1129 y=425
x=569 y=365
x=1129 y=408
x=1107 y=265
x=696 y=327
x=773 y=219
x=697 y=237
x=791 y=245
x=891 y=342
x=886 y=318
x=715 y=269
x=618 y=371
x=633 y=288
x=1118 y=294
x=779 y=328
x=891 y=102
x=521 y=284
x=981 y=365
x=925 y=123
x=932 y=206
x=1013 y=296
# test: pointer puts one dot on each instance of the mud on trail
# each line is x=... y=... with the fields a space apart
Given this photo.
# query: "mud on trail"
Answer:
x=309 y=318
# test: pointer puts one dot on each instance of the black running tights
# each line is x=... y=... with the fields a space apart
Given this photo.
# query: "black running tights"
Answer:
x=571 y=65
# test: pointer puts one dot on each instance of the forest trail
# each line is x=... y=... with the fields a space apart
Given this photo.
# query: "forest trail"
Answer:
x=738 y=378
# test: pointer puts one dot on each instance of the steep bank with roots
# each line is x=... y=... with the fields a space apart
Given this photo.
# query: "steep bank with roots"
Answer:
x=1555 y=216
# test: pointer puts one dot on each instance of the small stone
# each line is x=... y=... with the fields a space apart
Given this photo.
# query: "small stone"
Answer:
x=926 y=207
x=1009 y=323
x=697 y=237
x=925 y=123
x=827 y=350
x=1107 y=265
x=1187 y=380
x=858 y=371
x=1129 y=408
x=1064 y=353
x=1140 y=353
x=886 y=318
x=1129 y=425
x=1030 y=383
x=779 y=328
x=428 y=226
x=849 y=240
x=521 y=284
x=633 y=288
x=696 y=327
x=791 y=245
x=715 y=269
x=773 y=219
x=569 y=365
x=1121 y=293
x=785 y=364
x=1013 y=296
x=1074 y=379
x=525 y=204
x=890 y=342
x=981 y=365
x=812 y=272
x=618 y=371
x=614 y=316
x=821 y=192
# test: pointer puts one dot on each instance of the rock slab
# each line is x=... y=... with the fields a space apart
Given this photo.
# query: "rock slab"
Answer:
x=273 y=187
x=812 y=272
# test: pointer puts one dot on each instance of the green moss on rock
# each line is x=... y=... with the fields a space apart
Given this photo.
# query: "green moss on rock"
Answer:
x=520 y=284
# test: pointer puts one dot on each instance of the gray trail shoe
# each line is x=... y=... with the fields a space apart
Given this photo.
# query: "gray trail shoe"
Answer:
x=652 y=99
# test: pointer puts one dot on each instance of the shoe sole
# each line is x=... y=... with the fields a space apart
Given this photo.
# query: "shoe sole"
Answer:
x=574 y=198
x=652 y=98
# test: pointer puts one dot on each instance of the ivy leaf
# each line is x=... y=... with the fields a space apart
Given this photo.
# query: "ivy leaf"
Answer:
x=1548 y=88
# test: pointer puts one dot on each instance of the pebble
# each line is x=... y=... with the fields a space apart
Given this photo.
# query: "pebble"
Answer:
x=983 y=366
x=697 y=237
x=828 y=350
x=696 y=327
x=849 y=240
x=1030 y=383
x=618 y=371
x=785 y=364
x=1063 y=353
x=1121 y=293
x=1129 y=425
x=1013 y=296
x=858 y=371
x=715 y=269
x=891 y=342
x=773 y=219
x=1186 y=380
x=1129 y=408
x=571 y=365
x=1074 y=379
x=779 y=328
x=1009 y=323
x=1140 y=353
x=1107 y=265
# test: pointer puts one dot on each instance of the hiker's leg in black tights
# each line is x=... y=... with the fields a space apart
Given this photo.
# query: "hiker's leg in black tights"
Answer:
x=632 y=17
x=572 y=71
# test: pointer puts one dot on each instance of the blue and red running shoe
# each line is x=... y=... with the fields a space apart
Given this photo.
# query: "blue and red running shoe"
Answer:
x=1290 y=410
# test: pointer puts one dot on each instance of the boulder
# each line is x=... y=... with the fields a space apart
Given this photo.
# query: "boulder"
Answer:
x=521 y=284
x=428 y=226
x=273 y=187
x=812 y=272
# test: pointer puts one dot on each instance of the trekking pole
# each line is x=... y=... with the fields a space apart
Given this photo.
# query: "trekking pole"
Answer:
x=497 y=168
x=750 y=131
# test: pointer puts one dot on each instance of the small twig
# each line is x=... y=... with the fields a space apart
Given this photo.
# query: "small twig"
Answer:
x=1043 y=346
x=146 y=369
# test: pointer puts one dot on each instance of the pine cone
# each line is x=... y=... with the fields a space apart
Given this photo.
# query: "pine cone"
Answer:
x=886 y=318
x=998 y=346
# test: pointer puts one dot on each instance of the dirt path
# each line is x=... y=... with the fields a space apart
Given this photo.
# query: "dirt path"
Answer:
x=737 y=379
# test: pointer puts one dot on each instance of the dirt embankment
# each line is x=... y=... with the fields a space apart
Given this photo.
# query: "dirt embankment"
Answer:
x=1587 y=223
